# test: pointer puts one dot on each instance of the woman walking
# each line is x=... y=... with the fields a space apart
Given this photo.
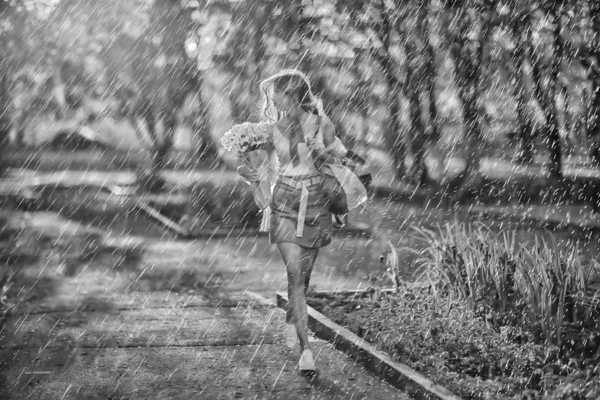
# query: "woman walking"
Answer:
x=299 y=139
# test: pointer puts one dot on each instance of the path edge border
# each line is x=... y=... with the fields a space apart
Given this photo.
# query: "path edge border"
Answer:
x=397 y=374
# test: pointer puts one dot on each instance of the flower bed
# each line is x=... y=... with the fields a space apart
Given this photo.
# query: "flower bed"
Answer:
x=491 y=318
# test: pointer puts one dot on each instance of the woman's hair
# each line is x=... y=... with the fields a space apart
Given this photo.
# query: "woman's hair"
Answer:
x=293 y=83
x=296 y=87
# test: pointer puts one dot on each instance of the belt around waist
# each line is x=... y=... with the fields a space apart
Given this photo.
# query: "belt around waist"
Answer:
x=297 y=183
x=302 y=183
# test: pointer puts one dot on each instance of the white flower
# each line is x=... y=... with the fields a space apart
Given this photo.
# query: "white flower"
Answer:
x=245 y=137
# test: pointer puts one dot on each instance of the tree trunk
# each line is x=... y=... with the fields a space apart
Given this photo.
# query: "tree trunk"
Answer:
x=468 y=55
x=261 y=18
x=415 y=52
x=148 y=176
x=360 y=141
x=165 y=146
x=593 y=126
x=4 y=120
x=205 y=146
x=524 y=153
x=435 y=133
x=360 y=99
x=416 y=131
x=8 y=16
x=293 y=29
x=150 y=117
x=251 y=46
x=547 y=99
x=160 y=155
x=393 y=132
x=555 y=167
x=567 y=124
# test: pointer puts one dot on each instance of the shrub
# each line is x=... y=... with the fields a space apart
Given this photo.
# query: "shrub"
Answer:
x=559 y=288
x=554 y=287
x=471 y=261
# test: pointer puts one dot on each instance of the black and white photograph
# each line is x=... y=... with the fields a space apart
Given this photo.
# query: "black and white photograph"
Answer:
x=300 y=199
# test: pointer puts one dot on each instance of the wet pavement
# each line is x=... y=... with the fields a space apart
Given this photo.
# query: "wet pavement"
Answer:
x=146 y=318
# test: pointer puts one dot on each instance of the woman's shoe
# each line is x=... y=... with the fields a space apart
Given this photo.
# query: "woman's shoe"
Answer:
x=339 y=220
x=290 y=336
x=307 y=362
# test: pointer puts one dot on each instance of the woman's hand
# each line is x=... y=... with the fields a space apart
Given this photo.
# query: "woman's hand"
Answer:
x=247 y=172
x=355 y=157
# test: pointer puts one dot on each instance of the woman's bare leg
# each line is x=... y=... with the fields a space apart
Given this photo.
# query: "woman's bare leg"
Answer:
x=296 y=311
x=309 y=256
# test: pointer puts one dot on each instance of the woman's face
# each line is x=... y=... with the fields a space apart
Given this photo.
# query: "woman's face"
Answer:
x=286 y=104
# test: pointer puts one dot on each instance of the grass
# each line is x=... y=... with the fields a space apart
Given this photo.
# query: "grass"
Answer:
x=553 y=285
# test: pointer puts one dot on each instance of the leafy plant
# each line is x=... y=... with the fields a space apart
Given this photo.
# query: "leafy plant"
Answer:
x=549 y=280
x=471 y=261
x=553 y=285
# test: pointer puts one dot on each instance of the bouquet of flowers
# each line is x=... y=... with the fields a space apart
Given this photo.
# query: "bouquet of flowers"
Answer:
x=245 y=137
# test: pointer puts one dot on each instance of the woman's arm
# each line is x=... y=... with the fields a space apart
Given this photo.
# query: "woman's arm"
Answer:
x=251 y=160
x=326 y=146
x=247 y=171
x=333 y=144
x=257 y=164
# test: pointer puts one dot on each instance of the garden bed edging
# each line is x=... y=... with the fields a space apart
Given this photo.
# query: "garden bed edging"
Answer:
x=399 y=375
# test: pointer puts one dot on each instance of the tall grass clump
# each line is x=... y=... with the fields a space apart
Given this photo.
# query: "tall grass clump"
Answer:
x=470 y=261
x=547 y=289
x=559 y=287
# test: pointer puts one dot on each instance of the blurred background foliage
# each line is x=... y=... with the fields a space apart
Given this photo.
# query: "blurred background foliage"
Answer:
x=425 y=89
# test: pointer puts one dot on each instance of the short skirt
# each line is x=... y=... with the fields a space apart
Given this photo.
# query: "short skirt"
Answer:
x=285 y=208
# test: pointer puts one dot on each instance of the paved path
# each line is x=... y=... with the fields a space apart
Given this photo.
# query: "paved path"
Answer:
x=160 y=320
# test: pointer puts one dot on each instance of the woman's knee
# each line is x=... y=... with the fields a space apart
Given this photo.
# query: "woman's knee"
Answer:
x=307 y=259
x=290 y=252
